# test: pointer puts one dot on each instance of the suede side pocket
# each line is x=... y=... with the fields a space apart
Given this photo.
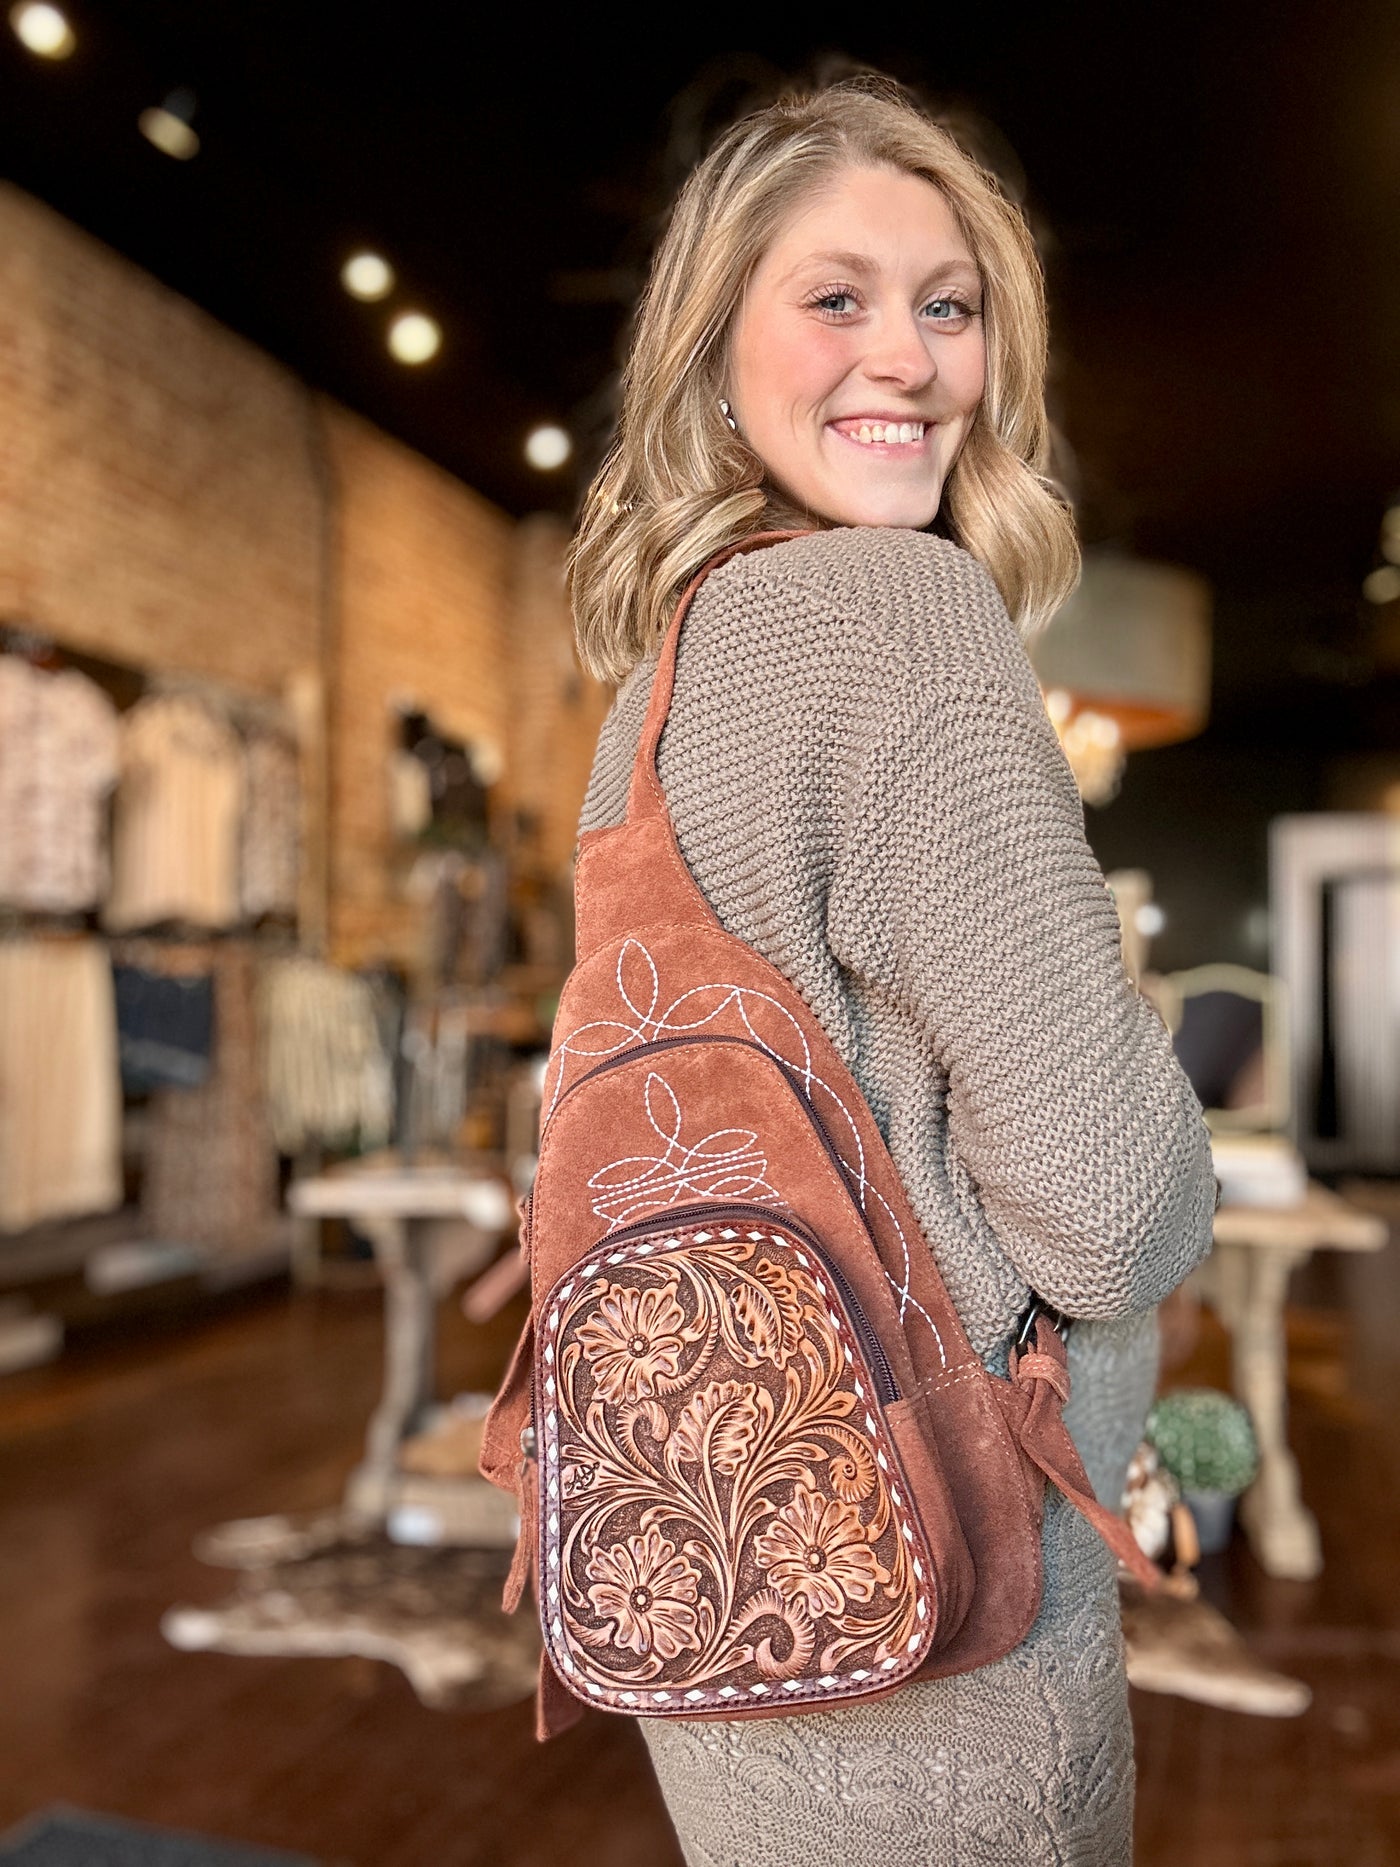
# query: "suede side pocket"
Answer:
x=911 y=1429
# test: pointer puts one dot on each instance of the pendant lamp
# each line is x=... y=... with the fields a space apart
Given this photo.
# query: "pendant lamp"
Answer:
x=1124 y=664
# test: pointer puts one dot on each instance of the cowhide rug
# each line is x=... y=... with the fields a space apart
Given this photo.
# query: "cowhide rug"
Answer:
x=326 y=1585
x=1185 y=1647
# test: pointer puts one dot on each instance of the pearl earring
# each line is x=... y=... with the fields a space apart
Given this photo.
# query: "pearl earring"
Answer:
x=728 y=415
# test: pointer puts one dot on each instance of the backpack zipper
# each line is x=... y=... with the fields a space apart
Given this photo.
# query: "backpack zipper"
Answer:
x=678 y=1217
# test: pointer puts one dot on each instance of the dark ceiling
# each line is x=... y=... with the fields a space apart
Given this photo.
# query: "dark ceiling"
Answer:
x=1217 y=190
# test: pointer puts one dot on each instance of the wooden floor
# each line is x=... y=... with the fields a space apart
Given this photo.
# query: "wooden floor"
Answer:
x=113 y=1459
x=1323 y=1790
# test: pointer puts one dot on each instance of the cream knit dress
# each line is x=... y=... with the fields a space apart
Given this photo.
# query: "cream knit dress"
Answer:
x=867 y=789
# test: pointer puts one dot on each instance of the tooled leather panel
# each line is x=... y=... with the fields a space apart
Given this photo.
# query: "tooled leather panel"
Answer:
x=724 y=1523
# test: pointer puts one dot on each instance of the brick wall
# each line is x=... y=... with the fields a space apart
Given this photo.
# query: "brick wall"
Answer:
x=157 y=501
x=163 y=503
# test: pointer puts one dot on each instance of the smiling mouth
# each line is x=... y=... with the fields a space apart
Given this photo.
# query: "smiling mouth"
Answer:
x=881 y=434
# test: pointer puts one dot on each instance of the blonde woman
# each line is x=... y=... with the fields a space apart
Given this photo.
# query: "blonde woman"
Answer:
x=845 y=333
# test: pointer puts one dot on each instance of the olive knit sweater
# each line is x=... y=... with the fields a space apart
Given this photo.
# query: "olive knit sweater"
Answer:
x=867 y=789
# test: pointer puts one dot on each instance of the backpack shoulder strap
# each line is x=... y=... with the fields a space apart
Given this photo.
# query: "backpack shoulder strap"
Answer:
x=645 y=797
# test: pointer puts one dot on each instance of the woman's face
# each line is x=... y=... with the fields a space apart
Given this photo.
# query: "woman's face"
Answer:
x=859 y=356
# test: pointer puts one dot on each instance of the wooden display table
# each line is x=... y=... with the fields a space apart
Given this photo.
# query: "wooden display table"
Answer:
x=397 y=1207
x=1245 y=1280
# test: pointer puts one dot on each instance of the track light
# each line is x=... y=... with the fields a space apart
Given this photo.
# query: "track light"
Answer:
x=166 y=126
x=42 y=29
x=367 y=276
x=413 y=338
x=547 y=447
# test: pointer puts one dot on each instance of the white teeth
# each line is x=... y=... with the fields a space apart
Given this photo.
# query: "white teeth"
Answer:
x=889 y=433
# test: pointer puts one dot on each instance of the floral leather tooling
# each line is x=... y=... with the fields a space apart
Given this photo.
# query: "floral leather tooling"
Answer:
x=725 y=1513
x=758 y=1464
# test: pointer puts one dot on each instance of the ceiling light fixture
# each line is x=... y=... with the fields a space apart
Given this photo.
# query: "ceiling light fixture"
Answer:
x=1383 y=585
x=547 y=447
x=1125 y=663
x=166 y=126
x=367 y=276
x=42 y=29
x=413 y=338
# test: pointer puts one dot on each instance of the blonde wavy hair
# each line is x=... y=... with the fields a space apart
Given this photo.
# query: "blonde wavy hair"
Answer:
x=677 y=484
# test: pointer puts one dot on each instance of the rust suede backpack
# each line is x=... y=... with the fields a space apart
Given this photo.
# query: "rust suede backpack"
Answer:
x=759 y=1467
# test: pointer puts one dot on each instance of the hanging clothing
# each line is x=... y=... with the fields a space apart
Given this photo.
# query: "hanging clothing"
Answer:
x=271 y=839
x=410 y=796
x=60 y=1094
x=211 y=1166
x=176 y=837
x=437 y=1048
x=326 y=1073
x=58 y=762
x=165 y=1028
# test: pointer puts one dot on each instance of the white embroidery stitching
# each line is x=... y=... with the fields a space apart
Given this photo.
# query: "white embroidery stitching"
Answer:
x=727 y=1164
x=647 y=1027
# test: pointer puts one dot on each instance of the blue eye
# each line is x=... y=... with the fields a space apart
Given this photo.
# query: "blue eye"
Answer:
x=949 y=310
x=834 y=303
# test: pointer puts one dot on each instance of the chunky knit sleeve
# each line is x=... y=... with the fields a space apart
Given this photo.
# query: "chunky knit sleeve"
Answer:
x=965 y=900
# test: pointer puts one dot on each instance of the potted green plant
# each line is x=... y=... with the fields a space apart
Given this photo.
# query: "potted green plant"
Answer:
x=1206 y=1441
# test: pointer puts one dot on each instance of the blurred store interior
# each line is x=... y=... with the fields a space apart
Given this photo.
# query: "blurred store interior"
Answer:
x=309 y=332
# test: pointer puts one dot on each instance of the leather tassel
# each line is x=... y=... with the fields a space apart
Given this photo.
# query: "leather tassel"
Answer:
x=1045 y=1438
x=556 y=1709
x=522 y=1561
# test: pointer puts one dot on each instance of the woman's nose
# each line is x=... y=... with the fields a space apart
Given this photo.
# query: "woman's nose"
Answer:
x=901 y=355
